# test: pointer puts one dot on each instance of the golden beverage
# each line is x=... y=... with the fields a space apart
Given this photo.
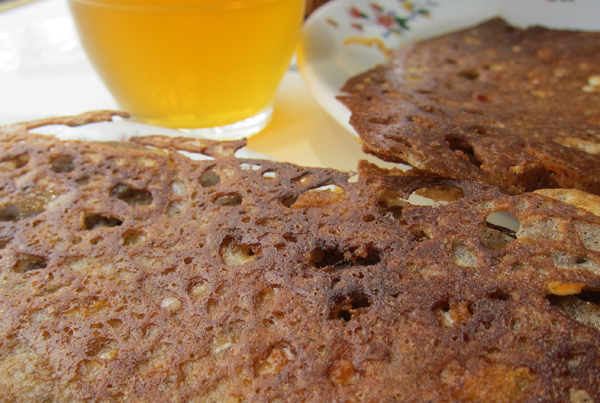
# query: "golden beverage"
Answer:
x=190 y=63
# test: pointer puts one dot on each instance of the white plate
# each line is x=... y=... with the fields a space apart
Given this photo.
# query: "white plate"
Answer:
x=326 y=63
x=122 y=130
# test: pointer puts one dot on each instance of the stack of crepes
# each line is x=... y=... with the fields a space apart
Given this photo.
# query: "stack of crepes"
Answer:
x=129 y=272
x=514 y=108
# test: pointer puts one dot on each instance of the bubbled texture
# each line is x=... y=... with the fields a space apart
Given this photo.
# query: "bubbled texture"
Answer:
x=129 y=272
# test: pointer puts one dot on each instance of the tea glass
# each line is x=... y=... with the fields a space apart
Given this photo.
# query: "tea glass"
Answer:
x=209 y=67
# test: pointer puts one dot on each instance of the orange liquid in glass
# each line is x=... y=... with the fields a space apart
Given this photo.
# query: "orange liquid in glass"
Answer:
x=190 y=63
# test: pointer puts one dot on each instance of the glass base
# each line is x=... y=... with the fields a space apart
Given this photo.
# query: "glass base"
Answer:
x=237 y=130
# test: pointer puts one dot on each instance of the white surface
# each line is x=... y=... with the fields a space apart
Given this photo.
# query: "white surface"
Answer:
x=121 y=130
x=326 y=63
x=43 y=69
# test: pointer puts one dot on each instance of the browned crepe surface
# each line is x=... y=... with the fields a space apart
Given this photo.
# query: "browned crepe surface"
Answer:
x=129 y=272
x=519 y=109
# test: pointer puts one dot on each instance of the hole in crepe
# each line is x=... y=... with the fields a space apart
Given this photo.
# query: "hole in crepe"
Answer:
x=435 y=196
x=390 y=203
x=27 y=263
x=10 y=212
x=361 y=301
x=102 y=348
x=583 y=307
x=93 y=221
x=329 y=258
x=115 y=323
x=287 y=201
x=34 y=203
x=453 y=313
x=88 y=370
x=269 y=175
x=461 y=146
x=504 y=219
x=233 y=199
x=264 y=296
x=345 y=315
x=380 y=120
x=62 y=164
x=398 y=140
x=500 y=295
x=442 y=311
x=190 y=155
x=335 y=259
x=209 y=178
x=469 y=74
x=590 y=296
x=17 y=162
x=346 y=306
x=500 y=229
x=451 y=61
x=198 y=288
x=319 y=197
x=421 y=234
x=133 y=197
x=133 y=237
x=234 y=253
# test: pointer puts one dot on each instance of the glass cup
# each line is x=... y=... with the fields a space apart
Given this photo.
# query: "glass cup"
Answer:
x=210 y=67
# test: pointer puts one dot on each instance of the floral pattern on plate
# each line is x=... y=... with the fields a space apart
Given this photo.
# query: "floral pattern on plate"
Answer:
x=392 y=21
